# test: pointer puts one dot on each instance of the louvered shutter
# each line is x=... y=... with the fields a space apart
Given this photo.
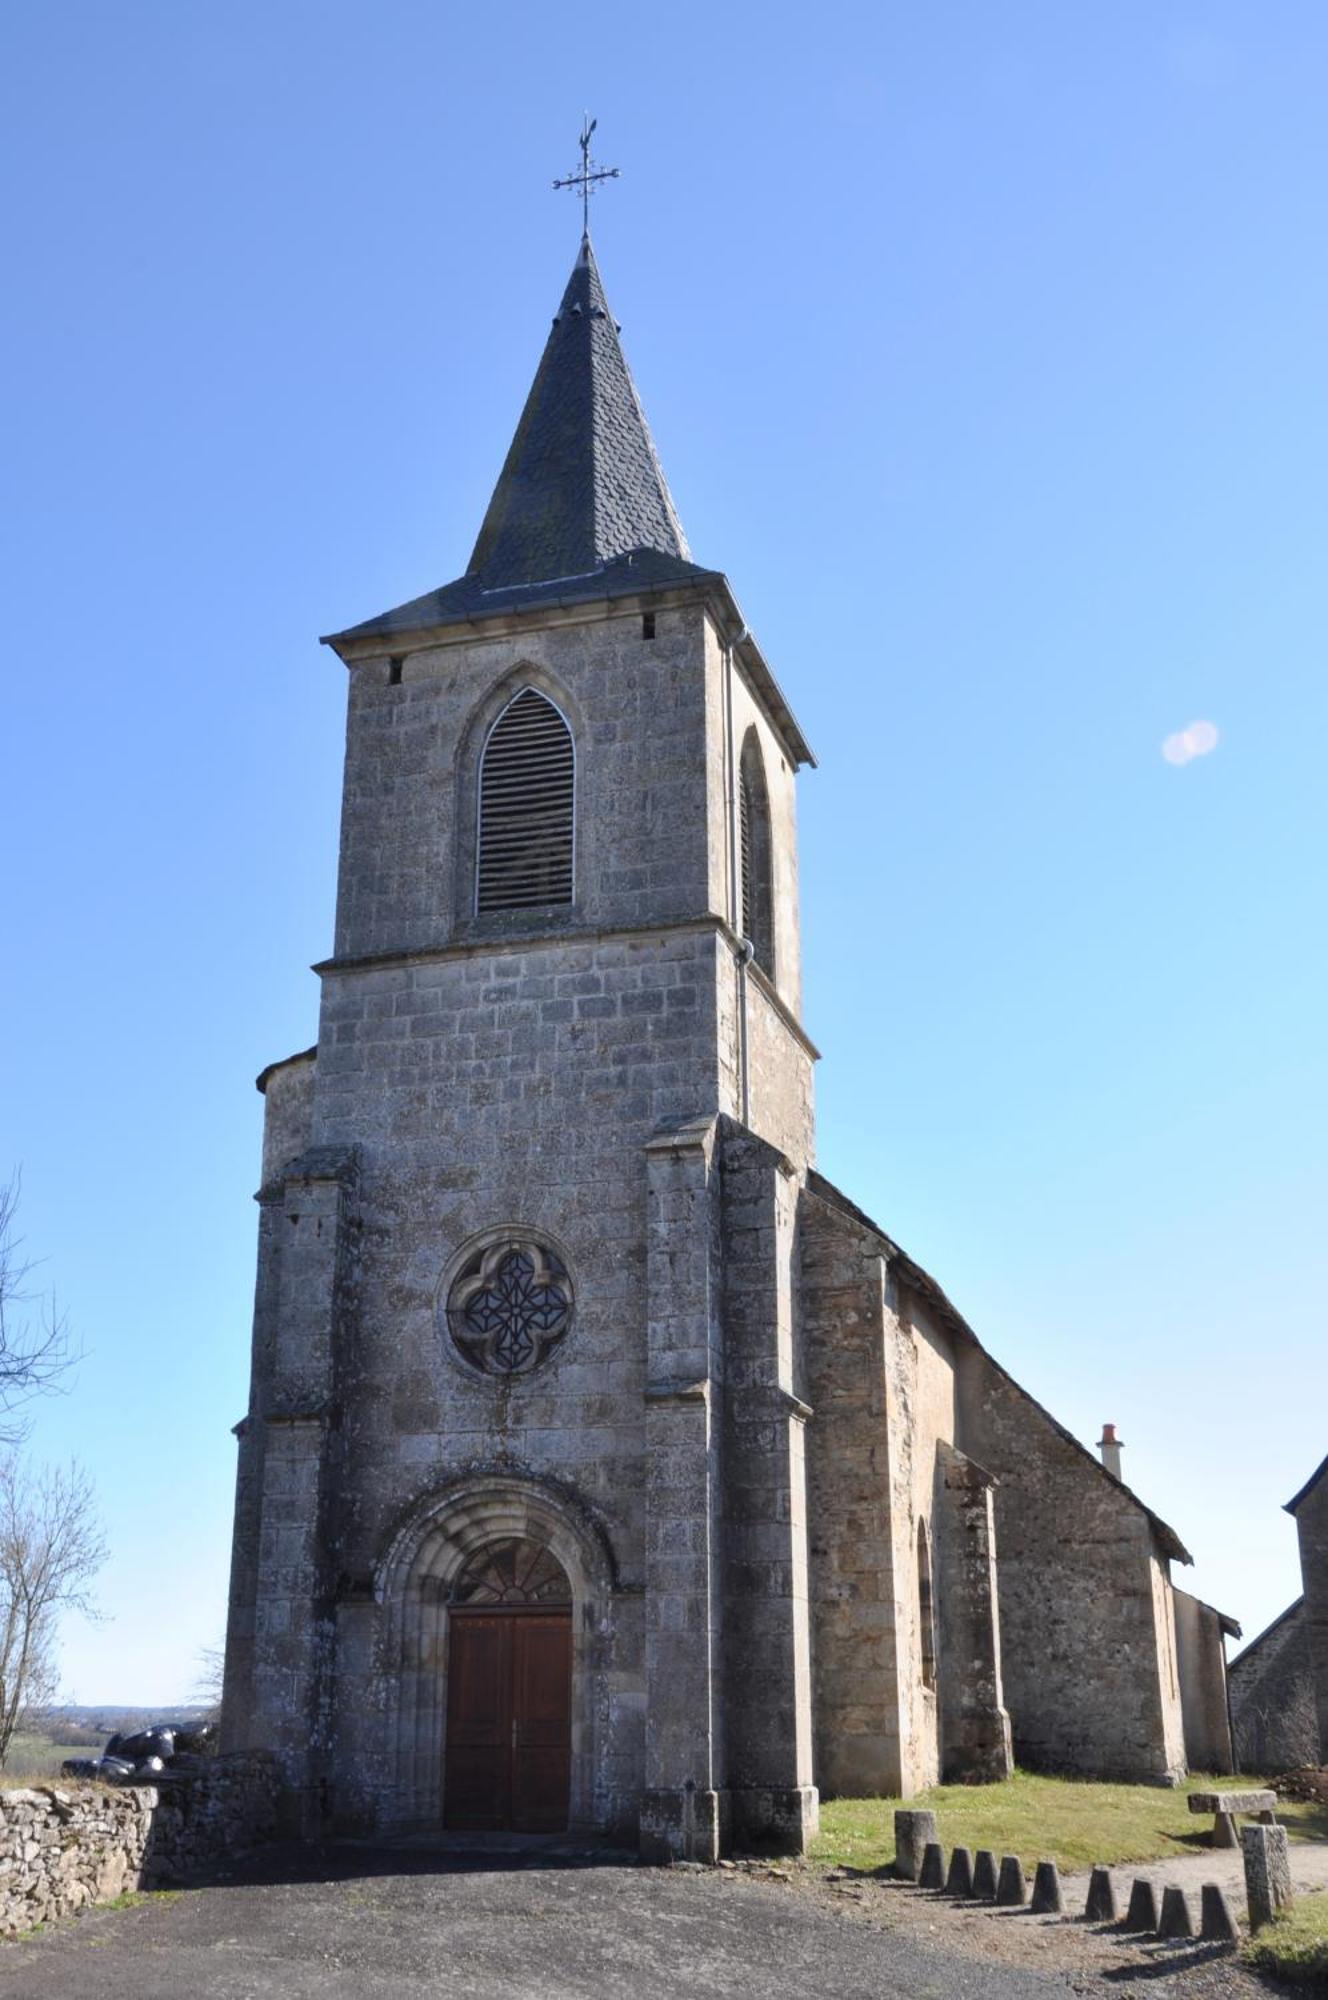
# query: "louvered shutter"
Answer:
x=527 y=797
x=747 y=913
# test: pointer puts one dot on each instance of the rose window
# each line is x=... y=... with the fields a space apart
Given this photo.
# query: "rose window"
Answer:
x=510 y=1307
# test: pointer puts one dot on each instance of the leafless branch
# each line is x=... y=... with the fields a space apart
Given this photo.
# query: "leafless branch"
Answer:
x=51 y=1547
x=36 y=1350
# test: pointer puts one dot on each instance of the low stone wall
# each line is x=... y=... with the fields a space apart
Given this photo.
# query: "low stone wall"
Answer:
x=65 y=1846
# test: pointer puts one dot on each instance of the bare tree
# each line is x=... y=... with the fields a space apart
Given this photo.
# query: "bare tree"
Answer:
x=35 y=1347
x=211 y=1675
x=51 y=1546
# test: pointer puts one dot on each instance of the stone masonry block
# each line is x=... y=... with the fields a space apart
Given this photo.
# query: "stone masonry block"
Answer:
x=1011 y=1889
x=1175 y=1921
x=984 y=1875
x=959 y=1876
x=1047 y=1898
x=1267 y=1872
x=913 y=1831
x=1101 y=1907
x=1142 y=1914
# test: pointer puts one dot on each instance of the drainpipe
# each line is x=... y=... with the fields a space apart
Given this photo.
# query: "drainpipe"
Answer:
x=746 y=950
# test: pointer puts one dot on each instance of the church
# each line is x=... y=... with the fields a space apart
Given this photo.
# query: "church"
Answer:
x=606 y=1469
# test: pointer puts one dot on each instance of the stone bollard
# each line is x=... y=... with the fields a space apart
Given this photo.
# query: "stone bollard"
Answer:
x=1101 y=1906
x=1142 y=1913
x=1176 y=1921
x=1267 y=1872
x=1010 y=1887
x=984 y=1875
x=932 y=1873
x=1217 y=1920
x=1047 y=1899
x=959 y=1881
x=912 y=1832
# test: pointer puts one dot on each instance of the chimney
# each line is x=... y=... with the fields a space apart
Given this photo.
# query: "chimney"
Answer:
x=1110 y=1447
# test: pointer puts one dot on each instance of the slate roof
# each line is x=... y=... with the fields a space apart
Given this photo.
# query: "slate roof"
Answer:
x=1306 y=1489
x=1256 y=1645
x=469 y=597
x=924 y=1284
x=581 y=509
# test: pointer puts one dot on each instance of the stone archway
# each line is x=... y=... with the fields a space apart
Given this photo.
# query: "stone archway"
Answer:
x=415 y=1583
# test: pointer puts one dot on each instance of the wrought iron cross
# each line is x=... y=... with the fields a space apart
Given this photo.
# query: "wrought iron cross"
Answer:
x=590 y=173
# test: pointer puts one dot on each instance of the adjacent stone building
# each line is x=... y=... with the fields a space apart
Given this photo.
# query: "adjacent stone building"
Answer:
x=1279 y=1684
x=605 y=1466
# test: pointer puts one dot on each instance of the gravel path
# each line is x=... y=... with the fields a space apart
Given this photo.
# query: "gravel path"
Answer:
x=1309 y=1870
x=399 y=1925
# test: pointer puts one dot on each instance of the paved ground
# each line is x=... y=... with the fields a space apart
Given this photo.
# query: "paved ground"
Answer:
x=370 y=1927
x=1309 y=1870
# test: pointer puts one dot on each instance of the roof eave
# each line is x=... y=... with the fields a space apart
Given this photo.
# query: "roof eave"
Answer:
x=711 y=587
x=1306 y=1489
x=923 y=1282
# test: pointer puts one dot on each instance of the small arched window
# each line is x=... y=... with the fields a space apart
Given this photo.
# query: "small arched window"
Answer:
x=756 y=895
x=926 y=1609
x=527 y=802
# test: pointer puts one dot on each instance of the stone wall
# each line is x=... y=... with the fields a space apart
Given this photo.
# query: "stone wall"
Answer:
x=767 y=1635
x=1201 y=1657
x=478 y=1074
x=1310 y=1510
x=1272 y=1697
x=855 y=1664
x=1087 y=1648
x=976 y=1744
x=63 y=1847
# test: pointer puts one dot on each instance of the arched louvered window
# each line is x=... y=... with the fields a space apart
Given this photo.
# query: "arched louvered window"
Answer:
x=755 y=887
x=745 y=816
x=527 y=799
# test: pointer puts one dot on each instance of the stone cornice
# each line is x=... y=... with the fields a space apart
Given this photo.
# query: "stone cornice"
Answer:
x=521 y=941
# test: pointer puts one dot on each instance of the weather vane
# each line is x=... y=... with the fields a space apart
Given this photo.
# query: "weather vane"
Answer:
x=590 y=173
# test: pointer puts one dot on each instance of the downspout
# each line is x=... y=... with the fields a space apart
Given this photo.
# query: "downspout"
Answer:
x=746 y=950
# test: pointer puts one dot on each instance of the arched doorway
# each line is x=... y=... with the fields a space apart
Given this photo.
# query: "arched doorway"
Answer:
x=507 y=1763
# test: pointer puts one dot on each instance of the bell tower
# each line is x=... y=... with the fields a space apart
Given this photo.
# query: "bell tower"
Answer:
x=526 y=1206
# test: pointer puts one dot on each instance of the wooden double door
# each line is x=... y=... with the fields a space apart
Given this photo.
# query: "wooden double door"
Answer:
x=509 y=1721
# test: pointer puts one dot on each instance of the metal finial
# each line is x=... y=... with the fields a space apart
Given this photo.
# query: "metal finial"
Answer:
x=589 y=174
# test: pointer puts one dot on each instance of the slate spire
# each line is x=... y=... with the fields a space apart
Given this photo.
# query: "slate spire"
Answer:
x=582 y=484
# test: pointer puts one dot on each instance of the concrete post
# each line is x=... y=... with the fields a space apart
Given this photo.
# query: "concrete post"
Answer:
x=1048 y=1900
x=1101 y=1907
x=1142 y=1914
x=1175 y=1921
x=1217 y=1922
x=1267 y=1872
x=913 y=1830
x=959 y=1878
x=1011 y=1889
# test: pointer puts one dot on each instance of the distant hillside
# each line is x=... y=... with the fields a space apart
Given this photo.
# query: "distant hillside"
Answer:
x=77 y=1723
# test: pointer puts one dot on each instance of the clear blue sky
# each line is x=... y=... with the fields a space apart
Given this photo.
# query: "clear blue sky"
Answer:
x=984 y=347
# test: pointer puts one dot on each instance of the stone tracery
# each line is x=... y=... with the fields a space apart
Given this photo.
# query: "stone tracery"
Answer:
x=510 y=1306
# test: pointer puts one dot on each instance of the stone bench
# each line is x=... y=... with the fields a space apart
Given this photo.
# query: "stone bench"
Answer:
x=1225 y=1805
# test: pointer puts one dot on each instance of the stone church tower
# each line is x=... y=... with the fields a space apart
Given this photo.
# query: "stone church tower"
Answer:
x=604 y=1466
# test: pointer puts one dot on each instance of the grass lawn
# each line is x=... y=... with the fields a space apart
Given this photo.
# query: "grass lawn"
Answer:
x=36 y=1757
x=1071 y=1821
x=1295 y=1944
